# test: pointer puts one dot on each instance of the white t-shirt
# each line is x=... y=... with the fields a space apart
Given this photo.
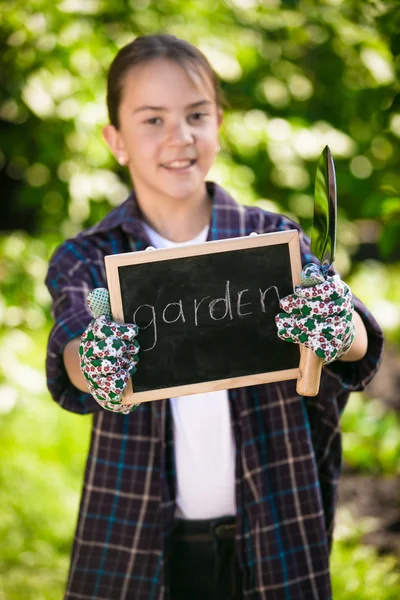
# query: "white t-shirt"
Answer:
x=203 y=440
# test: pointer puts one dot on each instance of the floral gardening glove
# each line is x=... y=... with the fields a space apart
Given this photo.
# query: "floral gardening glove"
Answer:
x=318 y=315
x=109 y=354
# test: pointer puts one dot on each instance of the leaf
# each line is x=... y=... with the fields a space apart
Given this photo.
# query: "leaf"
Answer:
x=306 y=310
x=310 y=324
x=117 y=344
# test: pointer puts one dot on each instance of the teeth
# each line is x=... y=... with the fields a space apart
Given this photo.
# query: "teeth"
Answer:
x=179 y=164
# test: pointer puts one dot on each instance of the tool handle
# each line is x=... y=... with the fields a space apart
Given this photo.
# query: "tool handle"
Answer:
x=310 y=373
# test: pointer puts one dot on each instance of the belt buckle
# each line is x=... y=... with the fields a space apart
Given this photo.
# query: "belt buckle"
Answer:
x=225 y=530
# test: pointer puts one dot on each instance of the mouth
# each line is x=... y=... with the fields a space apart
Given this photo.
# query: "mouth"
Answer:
x=179 y=165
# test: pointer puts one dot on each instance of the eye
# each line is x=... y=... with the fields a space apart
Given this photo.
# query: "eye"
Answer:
x=198 y=116
x=153 y=120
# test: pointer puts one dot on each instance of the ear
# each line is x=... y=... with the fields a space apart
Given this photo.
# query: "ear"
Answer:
x=114 y=141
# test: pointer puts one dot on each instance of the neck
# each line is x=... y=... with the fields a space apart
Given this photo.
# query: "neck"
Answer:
x=177 y=220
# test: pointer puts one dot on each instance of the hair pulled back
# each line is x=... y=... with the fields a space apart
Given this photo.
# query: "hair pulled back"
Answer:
x=150 y=47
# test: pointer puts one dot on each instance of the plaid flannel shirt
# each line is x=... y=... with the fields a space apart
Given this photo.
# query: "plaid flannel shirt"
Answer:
x=288 y=447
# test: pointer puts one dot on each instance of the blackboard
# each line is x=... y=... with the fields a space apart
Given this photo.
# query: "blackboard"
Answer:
x=206 y=313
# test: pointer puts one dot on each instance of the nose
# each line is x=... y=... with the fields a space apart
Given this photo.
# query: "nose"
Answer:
x=181 y=133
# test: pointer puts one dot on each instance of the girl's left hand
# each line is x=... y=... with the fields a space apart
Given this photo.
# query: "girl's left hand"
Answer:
x=318 y=315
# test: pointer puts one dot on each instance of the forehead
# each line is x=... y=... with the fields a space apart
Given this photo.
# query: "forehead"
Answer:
x=166 y=80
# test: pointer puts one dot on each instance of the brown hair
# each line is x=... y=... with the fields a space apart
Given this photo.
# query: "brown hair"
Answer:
x=150 y=47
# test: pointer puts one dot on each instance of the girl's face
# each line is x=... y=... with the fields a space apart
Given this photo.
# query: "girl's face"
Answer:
x=168 y=134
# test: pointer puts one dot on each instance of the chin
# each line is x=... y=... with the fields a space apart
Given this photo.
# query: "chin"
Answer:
x=181 y=192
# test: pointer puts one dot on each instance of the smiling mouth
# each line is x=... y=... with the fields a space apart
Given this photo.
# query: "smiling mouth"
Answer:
x=179 y=165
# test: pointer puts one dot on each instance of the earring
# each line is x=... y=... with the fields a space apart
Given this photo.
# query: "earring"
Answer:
x=122 y=159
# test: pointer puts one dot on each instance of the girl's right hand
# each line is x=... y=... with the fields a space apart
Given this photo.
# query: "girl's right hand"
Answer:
x=108 y=354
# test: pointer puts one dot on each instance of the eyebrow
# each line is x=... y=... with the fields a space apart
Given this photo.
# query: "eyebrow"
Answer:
x=164 y=108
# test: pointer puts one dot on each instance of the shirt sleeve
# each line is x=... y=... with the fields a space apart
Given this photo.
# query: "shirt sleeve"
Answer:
x=353 y=376
x=69 y=280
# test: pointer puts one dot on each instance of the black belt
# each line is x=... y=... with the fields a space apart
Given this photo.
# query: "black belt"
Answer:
x=206 y=530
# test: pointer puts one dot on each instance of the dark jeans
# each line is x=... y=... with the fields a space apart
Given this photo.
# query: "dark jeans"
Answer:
x=202 y=561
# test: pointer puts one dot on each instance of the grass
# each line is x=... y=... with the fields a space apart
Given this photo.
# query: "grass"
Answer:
x=371 y=436
x=42 y=458
x=358 y=571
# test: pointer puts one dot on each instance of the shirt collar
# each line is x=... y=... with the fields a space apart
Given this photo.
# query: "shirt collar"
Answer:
x=128 y=217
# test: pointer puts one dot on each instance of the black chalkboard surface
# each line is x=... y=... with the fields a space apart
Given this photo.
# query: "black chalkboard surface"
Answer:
x=206 y=313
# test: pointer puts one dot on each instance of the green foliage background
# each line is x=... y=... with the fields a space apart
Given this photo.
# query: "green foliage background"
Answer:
x=298 y=76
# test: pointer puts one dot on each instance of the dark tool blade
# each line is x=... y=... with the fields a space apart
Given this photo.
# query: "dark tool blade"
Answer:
x=323 y=237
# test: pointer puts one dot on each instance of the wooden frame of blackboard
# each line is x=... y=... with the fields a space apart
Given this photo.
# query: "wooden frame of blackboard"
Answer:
x=114 y=262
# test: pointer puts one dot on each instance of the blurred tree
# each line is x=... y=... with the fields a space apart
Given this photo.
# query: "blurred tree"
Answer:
x=297 y=75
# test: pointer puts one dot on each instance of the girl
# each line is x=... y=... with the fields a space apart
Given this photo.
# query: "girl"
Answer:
x=221 y=495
